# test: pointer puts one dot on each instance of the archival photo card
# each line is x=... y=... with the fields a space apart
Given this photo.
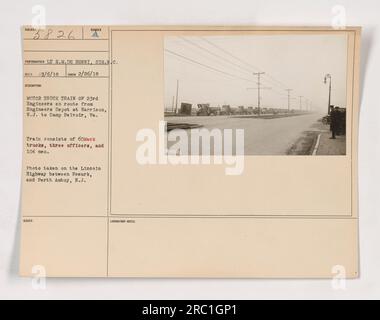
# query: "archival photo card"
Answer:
x=190 y=151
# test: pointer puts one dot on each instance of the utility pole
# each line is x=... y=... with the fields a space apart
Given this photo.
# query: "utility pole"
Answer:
x=173 y=104
x=328 y=76
x=289 y=90
x=258 y=74
x=176 y=98
x=301 y=102
x=259 y=88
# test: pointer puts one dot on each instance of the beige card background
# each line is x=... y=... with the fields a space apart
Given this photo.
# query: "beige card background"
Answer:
x=297 y=220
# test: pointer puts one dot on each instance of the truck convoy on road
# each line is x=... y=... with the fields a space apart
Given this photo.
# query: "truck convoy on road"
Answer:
x=204 y=109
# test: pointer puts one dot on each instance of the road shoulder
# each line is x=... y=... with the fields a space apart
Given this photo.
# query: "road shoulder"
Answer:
x=316 y=141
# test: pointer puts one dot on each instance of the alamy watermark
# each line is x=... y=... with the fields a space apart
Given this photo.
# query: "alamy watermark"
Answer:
x=192 y=147
x=339 y=17
x=39 y=16
x=339 y=279
x=39 y=277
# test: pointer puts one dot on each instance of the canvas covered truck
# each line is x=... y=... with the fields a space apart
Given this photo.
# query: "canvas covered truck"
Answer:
x=205 y=110
x=226 y=110
x=185 y=109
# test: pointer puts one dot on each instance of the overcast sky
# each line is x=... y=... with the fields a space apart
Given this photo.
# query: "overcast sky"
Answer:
x=218 y=69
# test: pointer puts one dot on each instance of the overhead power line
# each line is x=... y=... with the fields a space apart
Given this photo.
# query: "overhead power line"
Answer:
x=244 y=62
x=216 y=69
x=216 y=55
x=229 y=74
x=207 y=66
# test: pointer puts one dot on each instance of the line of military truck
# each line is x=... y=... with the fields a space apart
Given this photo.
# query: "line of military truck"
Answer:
x=204 y=109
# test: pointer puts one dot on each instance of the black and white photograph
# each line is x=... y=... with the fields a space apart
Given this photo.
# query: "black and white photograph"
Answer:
x=287 y=92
